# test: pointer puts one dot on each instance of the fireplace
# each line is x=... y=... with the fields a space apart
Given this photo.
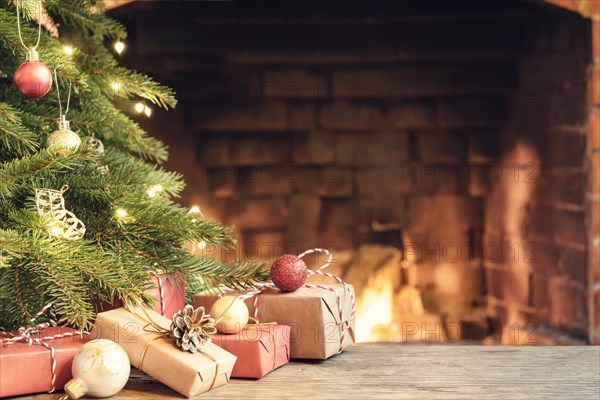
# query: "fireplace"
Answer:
x=442 y=149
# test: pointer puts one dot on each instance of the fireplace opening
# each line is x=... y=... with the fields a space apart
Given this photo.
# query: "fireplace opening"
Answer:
x=439 y=148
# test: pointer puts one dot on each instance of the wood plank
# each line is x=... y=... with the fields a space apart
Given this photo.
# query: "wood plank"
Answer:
x=391 y=371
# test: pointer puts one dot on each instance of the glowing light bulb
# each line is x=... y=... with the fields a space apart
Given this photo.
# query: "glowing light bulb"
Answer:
x=139 y=107
x=119 y=46
x=194 y=210
x=153 y=191
x=121 y=213
x=68 y=50
x=55 y=231
x=201 y=245
x=147 y=111
x=116 y=86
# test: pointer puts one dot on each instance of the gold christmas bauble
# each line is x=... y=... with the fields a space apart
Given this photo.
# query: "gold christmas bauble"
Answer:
x=64 y=139
x=230 y=313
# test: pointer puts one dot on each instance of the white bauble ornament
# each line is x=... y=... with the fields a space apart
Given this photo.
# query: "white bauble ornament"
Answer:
x=63 y=137
x=100 y=369
x=230 y=313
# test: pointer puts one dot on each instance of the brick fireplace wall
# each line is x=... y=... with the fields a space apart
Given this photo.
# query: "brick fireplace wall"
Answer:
x=387 y=122
x=537 y=210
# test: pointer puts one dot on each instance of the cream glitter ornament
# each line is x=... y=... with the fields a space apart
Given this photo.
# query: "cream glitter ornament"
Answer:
x=100 y=369
x=230 y=313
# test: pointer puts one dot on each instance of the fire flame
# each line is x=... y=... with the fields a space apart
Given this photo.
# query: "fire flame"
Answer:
x=374 y=311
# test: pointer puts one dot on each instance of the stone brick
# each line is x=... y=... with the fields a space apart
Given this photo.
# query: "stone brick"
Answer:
x=260 y=150
x=222 y=182
x=335 y=182
x=509 y=285
x=449 y=289
x=423 y=81
x=382 y=180
x=563 y=185
x=338 y=225
x=347 y=116
x=564 y=150
x=541 y=220
x=266 y=180
x=571 y=227
x=260 y=117
x=350 y=149
x=440 y=148
x=573 y=263
x=376 y=149
x=212 y=150
x=541 y=257
x=446 y=210
x=569 y=106
x=429 y=178
x=261 y=245
x=314 y=148
x=483 y=147
x=413 y=115
x=295 y=84
x=568 y=305
x=302 y=117
x=257 y=213
x=303 y=225
x=472 y=112
x=390 y=209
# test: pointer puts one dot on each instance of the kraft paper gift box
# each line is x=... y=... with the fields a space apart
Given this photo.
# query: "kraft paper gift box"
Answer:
x=26 y=369
x=168 y=290
x=156 y=354
x=260 y=349
x=312 y=314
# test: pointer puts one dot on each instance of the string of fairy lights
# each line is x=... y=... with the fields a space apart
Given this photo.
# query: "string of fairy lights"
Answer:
x=140 y=108
x=119 y=47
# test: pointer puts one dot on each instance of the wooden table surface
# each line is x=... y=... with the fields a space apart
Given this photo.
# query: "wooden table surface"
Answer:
x=392 y=371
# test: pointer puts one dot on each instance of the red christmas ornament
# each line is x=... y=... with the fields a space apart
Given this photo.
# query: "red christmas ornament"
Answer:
x=289 y=272
x=33 y=79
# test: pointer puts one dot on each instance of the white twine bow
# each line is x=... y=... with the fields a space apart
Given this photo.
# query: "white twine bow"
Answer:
x=345 y=324
x=25 y=334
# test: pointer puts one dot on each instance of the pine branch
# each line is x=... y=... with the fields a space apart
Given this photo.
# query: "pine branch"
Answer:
x=15 y=140
x=77 y=16
x=46 y=161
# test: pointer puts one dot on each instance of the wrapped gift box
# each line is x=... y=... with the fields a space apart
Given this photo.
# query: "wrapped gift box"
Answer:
x=312 y=314
x=259 y=349
x=27 y=368
x=155 y=354
x=169 y=292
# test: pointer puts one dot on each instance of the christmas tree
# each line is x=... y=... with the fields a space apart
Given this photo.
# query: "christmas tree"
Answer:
x=117 y=221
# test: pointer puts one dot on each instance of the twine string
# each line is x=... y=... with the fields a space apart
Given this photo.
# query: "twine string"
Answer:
x=153 y=327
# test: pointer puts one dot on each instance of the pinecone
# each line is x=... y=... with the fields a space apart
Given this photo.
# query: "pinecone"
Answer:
x=191 y=329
